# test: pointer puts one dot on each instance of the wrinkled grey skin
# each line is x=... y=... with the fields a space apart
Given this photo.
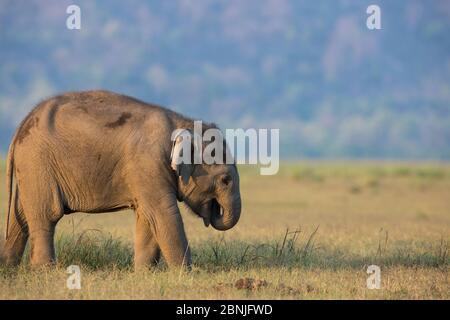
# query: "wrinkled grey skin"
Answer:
x=98 y=151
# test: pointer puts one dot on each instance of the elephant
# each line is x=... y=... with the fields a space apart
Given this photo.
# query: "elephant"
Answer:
x=99 y=151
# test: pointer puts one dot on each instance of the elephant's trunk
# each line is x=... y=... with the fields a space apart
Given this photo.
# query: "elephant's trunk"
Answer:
x=227 y=217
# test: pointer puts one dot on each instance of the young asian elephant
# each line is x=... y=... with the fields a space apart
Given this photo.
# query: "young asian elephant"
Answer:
x=98 y=151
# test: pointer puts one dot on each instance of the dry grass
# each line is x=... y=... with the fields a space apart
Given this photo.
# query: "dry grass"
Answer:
x=308 y=233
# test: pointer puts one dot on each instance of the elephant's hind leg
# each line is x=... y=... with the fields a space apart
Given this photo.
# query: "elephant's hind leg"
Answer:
x=146 y=249
x=43 y=208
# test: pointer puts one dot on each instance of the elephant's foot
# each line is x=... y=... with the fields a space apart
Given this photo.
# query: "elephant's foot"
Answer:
x=146 y=256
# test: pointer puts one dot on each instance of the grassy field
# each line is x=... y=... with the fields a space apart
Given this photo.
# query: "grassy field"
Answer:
x=309 y=232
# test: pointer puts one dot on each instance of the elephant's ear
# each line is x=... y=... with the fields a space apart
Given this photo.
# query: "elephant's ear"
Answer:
x=184 y=146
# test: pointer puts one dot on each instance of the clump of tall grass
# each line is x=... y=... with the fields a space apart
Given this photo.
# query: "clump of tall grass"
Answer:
x=290 y=251
x=94 y=250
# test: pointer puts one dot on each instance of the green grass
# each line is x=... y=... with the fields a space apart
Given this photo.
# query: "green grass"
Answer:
x=348 y=169
x=309 y=232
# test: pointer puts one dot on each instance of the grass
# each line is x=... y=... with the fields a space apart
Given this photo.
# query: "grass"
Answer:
x=309 y=232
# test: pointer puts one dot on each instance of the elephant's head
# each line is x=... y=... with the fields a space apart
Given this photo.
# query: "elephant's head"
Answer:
x=209 y=190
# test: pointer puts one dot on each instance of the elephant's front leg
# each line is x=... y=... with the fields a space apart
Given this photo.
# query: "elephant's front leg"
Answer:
x=167 y=225
x=172 y=240
x=146 y=248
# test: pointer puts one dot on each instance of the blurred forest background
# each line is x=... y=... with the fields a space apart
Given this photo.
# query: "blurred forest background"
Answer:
x=310 y=68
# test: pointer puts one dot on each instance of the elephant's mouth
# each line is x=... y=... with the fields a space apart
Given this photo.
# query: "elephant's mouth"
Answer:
x=212 y=208
x=221 y=216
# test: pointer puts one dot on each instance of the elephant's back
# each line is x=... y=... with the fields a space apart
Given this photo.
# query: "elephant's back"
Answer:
x=81 y=116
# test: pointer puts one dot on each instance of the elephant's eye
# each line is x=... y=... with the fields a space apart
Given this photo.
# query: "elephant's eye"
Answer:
x=225 y=180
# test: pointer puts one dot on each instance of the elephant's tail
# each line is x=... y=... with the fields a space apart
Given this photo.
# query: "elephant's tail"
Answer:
x=9 y=183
